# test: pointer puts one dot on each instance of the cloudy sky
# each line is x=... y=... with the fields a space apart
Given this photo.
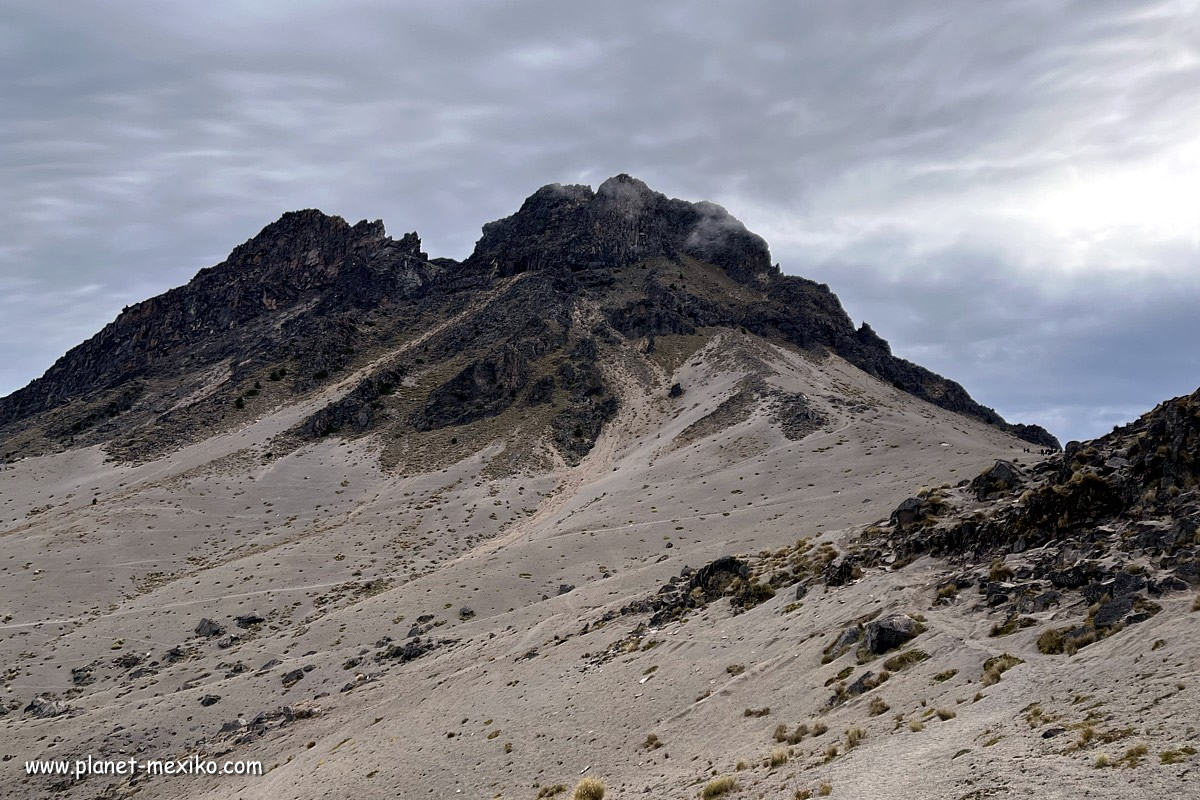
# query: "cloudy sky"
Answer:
x=1008 y=191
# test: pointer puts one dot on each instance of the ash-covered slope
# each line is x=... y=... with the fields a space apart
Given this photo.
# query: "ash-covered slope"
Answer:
x=573 y=277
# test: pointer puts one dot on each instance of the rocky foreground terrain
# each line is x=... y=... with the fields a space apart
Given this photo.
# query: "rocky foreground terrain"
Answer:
x=614 y=498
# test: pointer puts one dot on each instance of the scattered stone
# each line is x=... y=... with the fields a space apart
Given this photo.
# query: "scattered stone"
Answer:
x=127 y=661
x=83 y=676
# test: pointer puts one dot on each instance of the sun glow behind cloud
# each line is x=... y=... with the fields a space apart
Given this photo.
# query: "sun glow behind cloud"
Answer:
x=1151 y=202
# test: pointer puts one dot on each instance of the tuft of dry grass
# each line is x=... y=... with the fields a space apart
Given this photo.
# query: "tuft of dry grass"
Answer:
x=945 y=713
x=877 y=706
x=1133 y=756
x=1196 y=603
x=781 y=734
x=996 y=666
x=778 y=758
x=916 y=725
x=652 y=742
x=854 y=736
x=999 y=572
x=819 y=728
x=588 y=789
x=551 y=791
x=899 y=662
x=825 y=790
x=719 y=787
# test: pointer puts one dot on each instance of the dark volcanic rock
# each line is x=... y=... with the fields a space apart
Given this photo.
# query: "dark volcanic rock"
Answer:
x=1113 y=612
x=909 y=512
x=483 y=389
x=839 y=573
x=43 y=707
x=209 y=628
x=1001 y=477
x=888 y=633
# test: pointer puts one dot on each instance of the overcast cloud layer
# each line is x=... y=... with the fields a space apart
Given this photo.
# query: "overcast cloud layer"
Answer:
x=1007 y=191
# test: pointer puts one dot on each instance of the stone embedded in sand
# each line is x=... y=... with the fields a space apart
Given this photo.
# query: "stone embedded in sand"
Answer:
x=82 y=676
x=128 y=661
x=246 y=620
x=292 y=678
x=889 y=632
x=210 y=700
x=209 y=628
x=843 y=642
x=43 y=707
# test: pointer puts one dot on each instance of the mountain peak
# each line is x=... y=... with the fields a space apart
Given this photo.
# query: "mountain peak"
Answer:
x=624 y=221
x=312 y=295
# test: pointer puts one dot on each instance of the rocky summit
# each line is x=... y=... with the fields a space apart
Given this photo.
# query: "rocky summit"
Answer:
x=613 y=500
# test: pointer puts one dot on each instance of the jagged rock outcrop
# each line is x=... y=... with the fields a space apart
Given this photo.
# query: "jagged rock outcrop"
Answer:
x=1083 y=518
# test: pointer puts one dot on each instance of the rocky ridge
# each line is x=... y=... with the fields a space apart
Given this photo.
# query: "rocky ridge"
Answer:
x=313 y=299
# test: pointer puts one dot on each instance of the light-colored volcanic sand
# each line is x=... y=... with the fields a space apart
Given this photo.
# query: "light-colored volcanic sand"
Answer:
x=337 y=554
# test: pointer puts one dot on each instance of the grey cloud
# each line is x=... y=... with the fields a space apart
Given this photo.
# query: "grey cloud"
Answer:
x=871 y=143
